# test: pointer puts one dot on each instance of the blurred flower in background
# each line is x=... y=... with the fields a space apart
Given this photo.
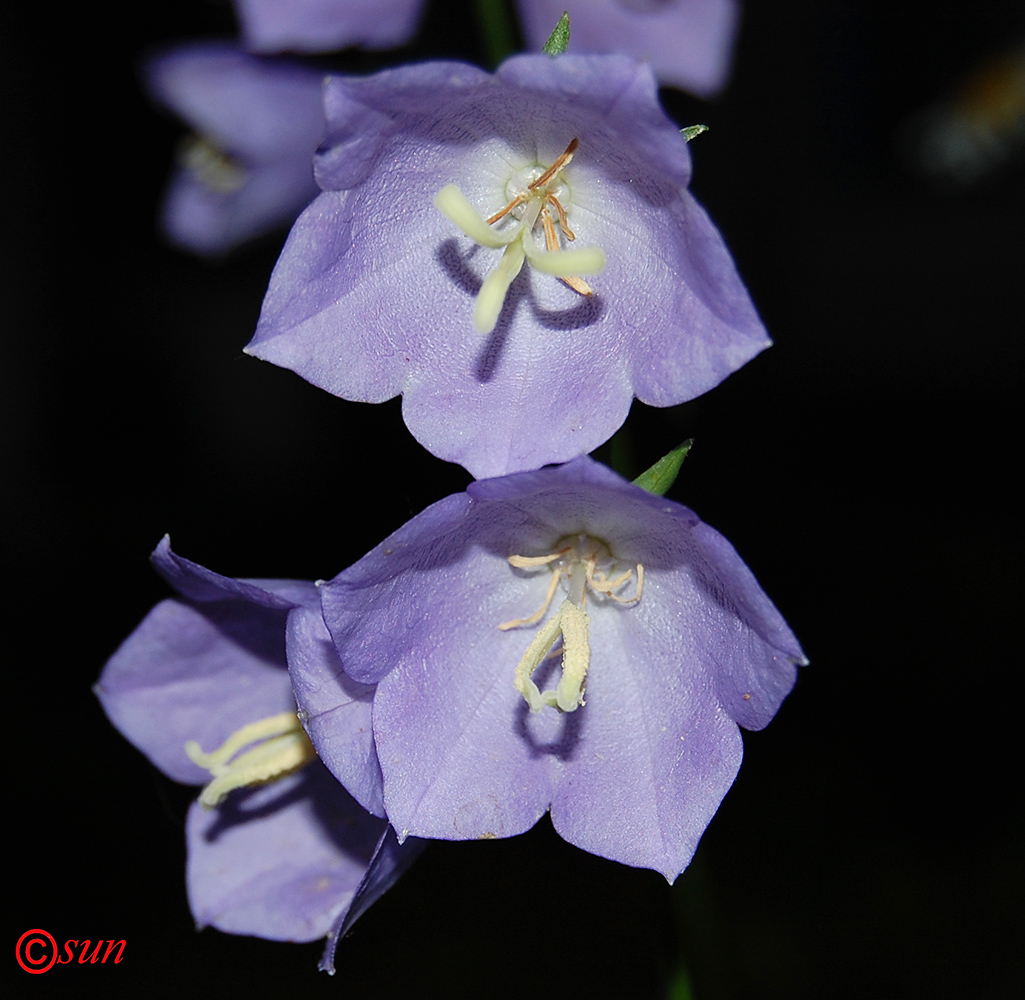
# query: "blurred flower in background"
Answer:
x=248 y=167
x=689 y=43
x=326 y=25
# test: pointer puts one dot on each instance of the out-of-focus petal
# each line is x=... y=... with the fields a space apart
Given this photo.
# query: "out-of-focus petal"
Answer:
x=326 y=25
x=258 y=122
x=689 y=43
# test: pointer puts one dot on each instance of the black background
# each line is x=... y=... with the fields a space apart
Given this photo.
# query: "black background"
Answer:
x=864 y=467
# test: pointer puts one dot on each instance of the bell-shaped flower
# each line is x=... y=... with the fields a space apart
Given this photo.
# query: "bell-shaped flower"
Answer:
x=516 y=254
x=247 y=168
x=558 y=640
x=689 y=43
x=326 y=25
x=276 y=847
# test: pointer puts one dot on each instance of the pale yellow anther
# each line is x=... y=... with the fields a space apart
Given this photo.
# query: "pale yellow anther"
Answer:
x=278 y=746
x=531 y=205
x=526 y=562
x=541 y=611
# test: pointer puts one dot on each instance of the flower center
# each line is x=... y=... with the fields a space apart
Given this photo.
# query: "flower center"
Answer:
x=536 y=196
x=582 y=564
x=218 y=172
x=277 y=746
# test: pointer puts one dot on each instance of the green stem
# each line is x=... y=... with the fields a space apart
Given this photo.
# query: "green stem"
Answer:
x=498 y=30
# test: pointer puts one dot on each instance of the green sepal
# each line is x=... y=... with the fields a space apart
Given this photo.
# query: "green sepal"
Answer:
x=663 y=473
x=693 y=131
x=558 y=40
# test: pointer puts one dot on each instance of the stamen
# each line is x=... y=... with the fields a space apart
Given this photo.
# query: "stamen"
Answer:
x=552 y=244
x=563 y=221
x=577 y=565
x=579 y=286
x=518 y=239
x=515 y=203
x=282 y=747
x=540 y=613
x=551 y=237
x=561 y=162
x=526 y=562
x=599 y=581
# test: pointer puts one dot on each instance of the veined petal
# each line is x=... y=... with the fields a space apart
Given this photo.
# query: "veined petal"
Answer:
x=633 y=771
x=374 y=294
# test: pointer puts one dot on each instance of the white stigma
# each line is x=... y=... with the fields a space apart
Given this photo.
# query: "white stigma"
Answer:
x=278 y=746
x=584 y=565
x=532 y=202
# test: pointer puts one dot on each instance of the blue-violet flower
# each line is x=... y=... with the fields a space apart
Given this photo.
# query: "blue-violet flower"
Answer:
x=560 y=640
x=249 y=166
x=406 y=275
x=689 y=43
x=294 y=858
x=326 y=25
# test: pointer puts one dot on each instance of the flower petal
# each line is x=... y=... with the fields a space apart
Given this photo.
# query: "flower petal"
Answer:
x=688 y=42
x=374 y=293
x=282 y=861
x=334 y=708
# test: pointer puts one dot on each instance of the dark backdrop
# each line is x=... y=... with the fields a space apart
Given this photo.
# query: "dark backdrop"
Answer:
x=863 y=467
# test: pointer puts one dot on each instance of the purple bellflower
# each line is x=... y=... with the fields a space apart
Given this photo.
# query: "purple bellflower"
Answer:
x=407 y=274
x=326 y=25
x=248 y=168
x=201 y=687
x=557 y=640
x=689 y=43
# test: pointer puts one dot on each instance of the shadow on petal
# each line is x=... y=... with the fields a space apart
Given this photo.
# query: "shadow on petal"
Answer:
x=570 y=724
x=494 y=345
x=586 y=312
x=250 y=805
x=454 y=263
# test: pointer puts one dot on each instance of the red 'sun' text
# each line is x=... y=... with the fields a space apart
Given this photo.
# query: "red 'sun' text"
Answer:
x=37 y=951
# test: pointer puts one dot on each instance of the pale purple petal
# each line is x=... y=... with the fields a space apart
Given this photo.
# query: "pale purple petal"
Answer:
x=373 y=294
x=634 y=774
x=658 y=752
x=689 y=43
x=197 y=583
x=282 y=861
x=326 y=25
x=195 y=673
x=201 y=667
x=334 y=708
x=390 y=861
x=262 y=118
